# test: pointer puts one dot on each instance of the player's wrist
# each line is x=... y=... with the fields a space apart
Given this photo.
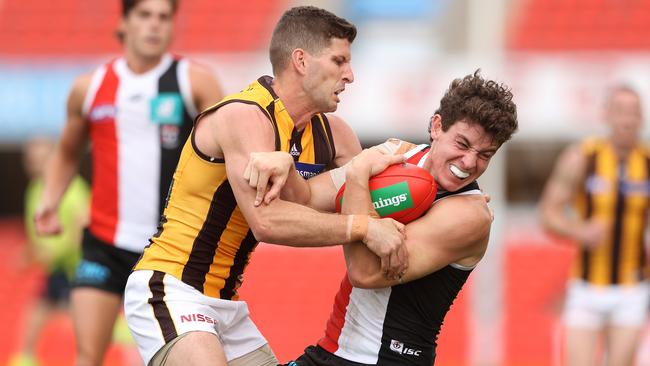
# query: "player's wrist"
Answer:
x=357 y=228
x=46 y=206
x=288 y=158
x=357 y=174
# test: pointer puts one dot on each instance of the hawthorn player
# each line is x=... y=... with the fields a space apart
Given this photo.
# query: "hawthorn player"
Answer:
x=210 y=227
x=382 y=321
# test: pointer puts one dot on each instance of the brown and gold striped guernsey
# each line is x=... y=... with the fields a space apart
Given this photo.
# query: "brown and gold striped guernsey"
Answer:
x=618 y=194
x=203 y=238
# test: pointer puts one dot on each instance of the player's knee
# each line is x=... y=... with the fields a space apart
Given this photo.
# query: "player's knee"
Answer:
x=262 y=356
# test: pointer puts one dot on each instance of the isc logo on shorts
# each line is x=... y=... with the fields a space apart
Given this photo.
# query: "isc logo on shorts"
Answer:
x=398 y=347
x=198 y=318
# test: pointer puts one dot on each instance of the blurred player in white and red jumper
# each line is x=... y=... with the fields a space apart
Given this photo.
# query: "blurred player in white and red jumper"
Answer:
x=137 y=112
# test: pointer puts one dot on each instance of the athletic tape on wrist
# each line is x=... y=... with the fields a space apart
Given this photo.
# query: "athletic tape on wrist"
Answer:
x=357 y=227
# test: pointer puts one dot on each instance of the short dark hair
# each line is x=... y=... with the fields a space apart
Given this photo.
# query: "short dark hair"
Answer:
x=484 y=102
x=128 y=5
x=306 y=27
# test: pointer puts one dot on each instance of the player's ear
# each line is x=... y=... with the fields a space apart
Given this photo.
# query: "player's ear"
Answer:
x=436 y=126
x=298 y=60
x=121 y=29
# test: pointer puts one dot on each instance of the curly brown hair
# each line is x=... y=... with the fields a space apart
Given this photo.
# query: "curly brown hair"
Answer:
x=309 y=28
x=484 y=102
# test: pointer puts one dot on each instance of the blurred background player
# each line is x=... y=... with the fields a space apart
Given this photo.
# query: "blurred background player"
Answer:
x=137 y=112
x=58 y=254
x=607 y=183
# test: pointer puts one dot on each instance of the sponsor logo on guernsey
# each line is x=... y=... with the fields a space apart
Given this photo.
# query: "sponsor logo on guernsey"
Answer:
x=402 y=349
x=294 y=151
x=198 y=318
x=307 y=170
x=595 y=184
x=635 y=188
x=390 y=199
x=135 y=97
x=169 y=136
x=167 y=109
x=102 y=113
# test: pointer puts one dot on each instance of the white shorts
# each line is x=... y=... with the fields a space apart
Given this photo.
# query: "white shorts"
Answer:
x=589 y=306
x=159 y=307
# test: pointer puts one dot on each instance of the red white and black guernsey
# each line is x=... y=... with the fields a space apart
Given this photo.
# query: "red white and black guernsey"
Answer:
x=392 y=326
x=138 y=124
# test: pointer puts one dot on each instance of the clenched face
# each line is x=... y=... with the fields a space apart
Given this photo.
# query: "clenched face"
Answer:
x=459 y=155
x=148 y=28
x=327 y=73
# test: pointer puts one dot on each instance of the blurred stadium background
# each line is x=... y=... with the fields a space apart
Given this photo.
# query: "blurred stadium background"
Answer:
x=558 y=55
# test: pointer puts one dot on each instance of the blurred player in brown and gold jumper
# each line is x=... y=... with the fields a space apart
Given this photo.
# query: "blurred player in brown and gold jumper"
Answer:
x=136 y=111
x=607 y=182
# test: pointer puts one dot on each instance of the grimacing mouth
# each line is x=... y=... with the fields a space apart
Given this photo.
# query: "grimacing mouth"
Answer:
x=457 y=172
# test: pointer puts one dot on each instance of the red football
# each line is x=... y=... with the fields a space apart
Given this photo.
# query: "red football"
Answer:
x=402 y=192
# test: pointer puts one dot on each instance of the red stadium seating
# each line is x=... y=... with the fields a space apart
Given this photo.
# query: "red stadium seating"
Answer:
x=591 y=25
x=78 y=27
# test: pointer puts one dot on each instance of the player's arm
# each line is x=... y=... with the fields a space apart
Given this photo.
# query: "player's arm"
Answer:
x=455 y=230
x=560 y=190
x=65 y=159
x=323 y=191
x=346 y=141
x=319 y=192
x=206 y=89
x=273 y=174
x=280 y=221
x=276 y=169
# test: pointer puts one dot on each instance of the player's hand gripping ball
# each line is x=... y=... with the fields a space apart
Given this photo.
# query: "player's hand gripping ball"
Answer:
x=402 y=192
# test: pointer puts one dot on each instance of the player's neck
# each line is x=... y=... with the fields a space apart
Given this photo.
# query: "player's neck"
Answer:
x=139 y=64
x=294 y=101
x=622 y=151
x=428 y=163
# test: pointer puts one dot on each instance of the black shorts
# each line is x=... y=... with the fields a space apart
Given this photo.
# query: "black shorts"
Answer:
x=103 y=266
x=318 y=356
x=57 y=288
